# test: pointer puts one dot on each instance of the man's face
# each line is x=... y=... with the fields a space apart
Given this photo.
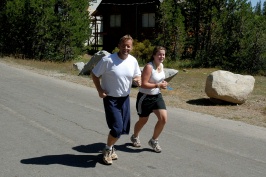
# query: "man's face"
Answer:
x=125 y=47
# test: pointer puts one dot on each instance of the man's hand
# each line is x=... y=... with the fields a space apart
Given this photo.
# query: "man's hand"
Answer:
x=137 y=81
x=102 y=94
x=96 y=81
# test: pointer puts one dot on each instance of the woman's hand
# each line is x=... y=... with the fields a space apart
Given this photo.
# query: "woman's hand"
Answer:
x=163 y=85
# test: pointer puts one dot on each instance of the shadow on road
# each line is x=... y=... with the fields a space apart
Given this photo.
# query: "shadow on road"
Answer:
x=90 y=148
x=127 y=147
x=82 y=161
x=209 y=102
x=98 y=147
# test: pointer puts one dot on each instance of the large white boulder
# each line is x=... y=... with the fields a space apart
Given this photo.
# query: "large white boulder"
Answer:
x=169 y=74
x=229 y=87
x=93 y=61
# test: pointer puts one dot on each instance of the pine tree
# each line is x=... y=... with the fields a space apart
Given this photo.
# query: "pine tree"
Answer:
x=51 y=29
x=264 y=9
x=3 y=24
x=258 y=10
x=14 y=29
x=241 y=35
x=201 y=18
x=172 y=26
x=73 y=21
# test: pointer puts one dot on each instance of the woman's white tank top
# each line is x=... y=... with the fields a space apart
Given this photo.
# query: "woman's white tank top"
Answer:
x=156 y=77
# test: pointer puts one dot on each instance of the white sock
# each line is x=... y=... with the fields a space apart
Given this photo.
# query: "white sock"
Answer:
x=109 y=147
x=153 y=140
x=135 y=136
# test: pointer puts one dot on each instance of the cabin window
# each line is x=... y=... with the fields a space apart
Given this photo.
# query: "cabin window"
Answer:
x=148 y=20
x=115 y=21
x=94 y=1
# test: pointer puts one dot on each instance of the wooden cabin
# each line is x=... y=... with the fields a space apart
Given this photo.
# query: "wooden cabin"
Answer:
x=120 y=17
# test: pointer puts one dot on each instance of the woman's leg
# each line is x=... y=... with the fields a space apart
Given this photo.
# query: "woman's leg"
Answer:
x=139 y=125
x=162 y=119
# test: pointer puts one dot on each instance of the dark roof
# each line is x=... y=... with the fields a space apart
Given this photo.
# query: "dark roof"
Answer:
x=123 y=3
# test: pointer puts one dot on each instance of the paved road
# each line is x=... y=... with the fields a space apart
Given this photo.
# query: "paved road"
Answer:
x=53 y=128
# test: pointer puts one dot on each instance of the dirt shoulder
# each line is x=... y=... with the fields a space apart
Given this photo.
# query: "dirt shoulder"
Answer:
x=188 y=93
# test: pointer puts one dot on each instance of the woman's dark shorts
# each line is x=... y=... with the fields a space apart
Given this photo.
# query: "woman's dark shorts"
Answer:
x=147 y=103
x=117 y=113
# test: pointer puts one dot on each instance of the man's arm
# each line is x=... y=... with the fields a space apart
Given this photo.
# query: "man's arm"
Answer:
x=96 y=81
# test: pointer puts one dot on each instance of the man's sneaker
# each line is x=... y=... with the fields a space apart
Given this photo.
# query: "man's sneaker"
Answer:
x=135 y=141
x=107 y=156
x=114 y=155
x=155 y=145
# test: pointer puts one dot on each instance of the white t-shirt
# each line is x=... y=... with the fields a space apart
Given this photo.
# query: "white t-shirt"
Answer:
x=117 y=74
x=156 y=77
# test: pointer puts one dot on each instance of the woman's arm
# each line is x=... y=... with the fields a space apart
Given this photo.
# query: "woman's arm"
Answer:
x=145 y=77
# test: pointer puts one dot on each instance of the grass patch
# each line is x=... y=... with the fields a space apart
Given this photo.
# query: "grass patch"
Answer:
x=191 y=82
x=264 y=112
x=260 y=86
x=61 y=67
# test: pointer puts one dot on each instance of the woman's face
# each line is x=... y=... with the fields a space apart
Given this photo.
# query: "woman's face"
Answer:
x=159 y=56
